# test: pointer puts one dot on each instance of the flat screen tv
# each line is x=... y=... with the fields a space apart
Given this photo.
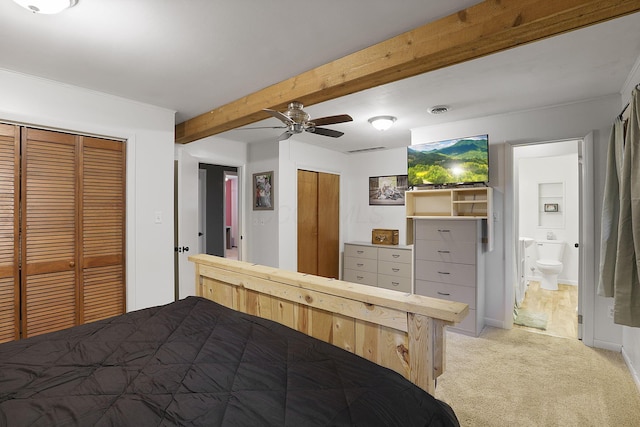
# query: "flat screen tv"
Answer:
x=448 y=163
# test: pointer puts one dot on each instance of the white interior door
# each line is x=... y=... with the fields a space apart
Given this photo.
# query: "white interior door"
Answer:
x=187 y=222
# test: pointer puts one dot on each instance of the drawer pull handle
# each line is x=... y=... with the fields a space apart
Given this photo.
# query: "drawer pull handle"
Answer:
x=395 y=255
x=359 y=277
x=444 y=252
x=443 y=272
x=360 y=264
x=444 y=294
x=443 y=230
x=395 y=270
x=395 y=283
x=360 y=252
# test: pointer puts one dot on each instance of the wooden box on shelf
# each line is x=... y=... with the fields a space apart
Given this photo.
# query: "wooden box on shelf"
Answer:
x=380 y=236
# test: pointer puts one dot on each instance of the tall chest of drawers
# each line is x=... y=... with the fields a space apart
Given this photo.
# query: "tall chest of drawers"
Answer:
x=374 y=265
x=449 y=264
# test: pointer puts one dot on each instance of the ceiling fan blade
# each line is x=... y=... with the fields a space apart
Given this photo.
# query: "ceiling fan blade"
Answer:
x=263 y=127
x=285 y=135
x=326 y=132
x=278 y=115
x=331 y=120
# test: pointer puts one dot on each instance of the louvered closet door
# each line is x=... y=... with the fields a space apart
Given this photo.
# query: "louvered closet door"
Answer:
x=9 y=240
x=103 y=229
x=49 y=231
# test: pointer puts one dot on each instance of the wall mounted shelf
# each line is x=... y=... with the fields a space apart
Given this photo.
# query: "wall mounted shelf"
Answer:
x=451 y=203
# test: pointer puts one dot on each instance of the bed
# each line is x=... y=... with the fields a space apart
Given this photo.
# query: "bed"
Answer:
x=205 y=360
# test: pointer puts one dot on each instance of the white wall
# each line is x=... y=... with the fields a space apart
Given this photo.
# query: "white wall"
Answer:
x=360 y=216
x=149 y=132
x=263 y=227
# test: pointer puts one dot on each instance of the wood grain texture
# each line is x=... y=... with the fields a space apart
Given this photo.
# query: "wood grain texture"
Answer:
x=9 y=229
x=402 y=332
x=328 y=225
x=307 y=222
x=72 y=205
x=489 y=27
x=102 y=207
x=50 y=199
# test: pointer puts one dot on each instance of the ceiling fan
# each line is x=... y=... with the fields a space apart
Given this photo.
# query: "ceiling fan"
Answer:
x=296 y=120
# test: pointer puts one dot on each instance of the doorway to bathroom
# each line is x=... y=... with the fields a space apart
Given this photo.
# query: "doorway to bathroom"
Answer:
x=547 y=218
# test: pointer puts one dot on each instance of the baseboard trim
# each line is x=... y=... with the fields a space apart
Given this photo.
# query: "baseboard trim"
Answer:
x=633 y=372
x=495 y=323
x=607 y=345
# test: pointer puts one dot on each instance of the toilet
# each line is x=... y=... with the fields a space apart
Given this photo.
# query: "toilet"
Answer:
x=549 y=262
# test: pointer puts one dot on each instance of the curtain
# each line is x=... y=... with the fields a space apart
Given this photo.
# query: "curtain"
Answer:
x=626 y=286
x=611 y=210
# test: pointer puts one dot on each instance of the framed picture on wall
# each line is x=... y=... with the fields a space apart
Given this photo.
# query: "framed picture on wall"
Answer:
x=387 y=190
x=263 y=191
x=551 y=207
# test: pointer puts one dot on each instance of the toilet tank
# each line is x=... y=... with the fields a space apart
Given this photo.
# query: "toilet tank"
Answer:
x=550 y=249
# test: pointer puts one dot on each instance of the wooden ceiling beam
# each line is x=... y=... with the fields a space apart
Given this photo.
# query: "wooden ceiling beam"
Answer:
x=488 y=27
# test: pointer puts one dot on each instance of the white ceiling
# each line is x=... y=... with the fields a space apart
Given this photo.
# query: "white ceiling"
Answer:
x=195 y=55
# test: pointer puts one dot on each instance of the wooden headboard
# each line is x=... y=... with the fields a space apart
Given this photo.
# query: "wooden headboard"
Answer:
x=403 y=332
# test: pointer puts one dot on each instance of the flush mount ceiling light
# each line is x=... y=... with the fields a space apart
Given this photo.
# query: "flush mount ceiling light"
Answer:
x=382 y=122
x=438 y=109
x=46 y=6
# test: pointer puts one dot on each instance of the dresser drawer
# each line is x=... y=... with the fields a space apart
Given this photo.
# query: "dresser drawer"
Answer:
x=444 y=272
x=458 y=252
x=394 y=269
x=394 y=255
x=446 y=230
x=464 y=294
x=357 y=251
x=402 y=284
x=362 y=277
x=361 y=264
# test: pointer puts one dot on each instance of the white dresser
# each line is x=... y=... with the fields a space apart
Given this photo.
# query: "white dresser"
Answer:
x=449 y=264
x=378 y=265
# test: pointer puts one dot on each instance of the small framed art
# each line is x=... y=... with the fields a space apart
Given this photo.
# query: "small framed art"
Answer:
x=387 y=190
x=263 y=191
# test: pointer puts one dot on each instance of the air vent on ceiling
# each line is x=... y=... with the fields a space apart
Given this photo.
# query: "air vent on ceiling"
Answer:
x=362 y=150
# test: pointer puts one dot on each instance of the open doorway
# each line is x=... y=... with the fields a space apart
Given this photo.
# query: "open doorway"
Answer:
x=547 y=219
x=219 y=195
x=231 y=215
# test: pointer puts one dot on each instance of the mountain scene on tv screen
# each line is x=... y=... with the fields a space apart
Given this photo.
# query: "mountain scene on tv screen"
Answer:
x=449 y=162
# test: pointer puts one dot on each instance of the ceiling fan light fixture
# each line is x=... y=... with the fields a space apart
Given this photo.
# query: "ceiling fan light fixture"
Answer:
x=48 y=7
x=382 y=122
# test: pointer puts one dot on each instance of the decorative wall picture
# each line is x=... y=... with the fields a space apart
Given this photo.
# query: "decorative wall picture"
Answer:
x=263 y=191
x=387 y=190
x=551 y=207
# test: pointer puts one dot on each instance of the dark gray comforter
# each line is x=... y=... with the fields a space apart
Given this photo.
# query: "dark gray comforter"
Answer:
x=194 y=362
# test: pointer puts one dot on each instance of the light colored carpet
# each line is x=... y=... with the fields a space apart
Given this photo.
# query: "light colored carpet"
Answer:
x=519 y=378
x=531 y=319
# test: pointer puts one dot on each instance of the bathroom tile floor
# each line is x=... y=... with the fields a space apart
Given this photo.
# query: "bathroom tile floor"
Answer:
x=561 y=307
